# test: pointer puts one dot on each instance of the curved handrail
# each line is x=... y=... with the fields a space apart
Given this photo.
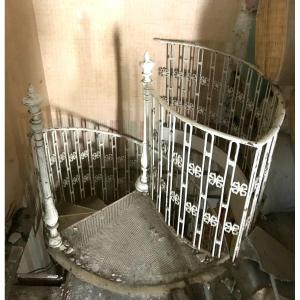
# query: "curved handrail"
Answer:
x=136 y=141
x=280 y=113
x=195 y=44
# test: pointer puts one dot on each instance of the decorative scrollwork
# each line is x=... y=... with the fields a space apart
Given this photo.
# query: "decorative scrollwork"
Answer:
x=84 y=154
x=163 y=184
x=231 y=228
x=210 y=219
x=62 y=157
x=98 y=178
x=250 y=106
x=174 y=197
x=96 y=155
x=65 y=182
x=52 y=159
x=75 y=179
x=72 y=156
x=177 y=159
x=201 y=110
x=164 y=147
x=121 y=158
x=218 y=181
x=238 y=188
x=163 y=71
x=109 y=157
x=193 y=209
x=86 y=178
x=195 y=170
x=155 y=135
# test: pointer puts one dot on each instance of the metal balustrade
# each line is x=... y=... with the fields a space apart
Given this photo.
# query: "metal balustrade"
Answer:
x=208 y=141
x=215 y=127
x=85 y=162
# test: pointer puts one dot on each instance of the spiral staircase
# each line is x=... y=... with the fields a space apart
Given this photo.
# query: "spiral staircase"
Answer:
x=144 y=218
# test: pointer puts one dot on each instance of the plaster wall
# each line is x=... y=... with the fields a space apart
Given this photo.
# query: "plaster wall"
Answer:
x=91 y=50
x=23 y=65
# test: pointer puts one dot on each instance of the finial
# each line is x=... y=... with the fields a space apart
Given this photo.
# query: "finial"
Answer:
x=31 y=97
x=147 y=66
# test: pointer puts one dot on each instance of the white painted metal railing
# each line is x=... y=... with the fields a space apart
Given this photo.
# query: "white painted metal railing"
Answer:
x=214 y=128
x=207 y=147
x=85 y=162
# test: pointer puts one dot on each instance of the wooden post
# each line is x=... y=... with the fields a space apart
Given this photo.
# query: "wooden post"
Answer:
x=142 y=183
x=50 y=215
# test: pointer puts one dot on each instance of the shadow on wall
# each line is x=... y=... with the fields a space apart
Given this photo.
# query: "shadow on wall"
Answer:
x=62 y=118
x=88 y=74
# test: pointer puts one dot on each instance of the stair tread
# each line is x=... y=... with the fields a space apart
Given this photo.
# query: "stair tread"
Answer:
x=128 y=241
x=92 y=202
x=68 y=220
x=65 y=208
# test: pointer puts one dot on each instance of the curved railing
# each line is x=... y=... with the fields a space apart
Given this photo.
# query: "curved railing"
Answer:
x=208 y=141
x=214 y=128
x=85 y=163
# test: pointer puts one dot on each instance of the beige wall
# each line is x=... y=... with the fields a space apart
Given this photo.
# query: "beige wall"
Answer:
x=84 y=56
x=91 y=49
x=23 y=66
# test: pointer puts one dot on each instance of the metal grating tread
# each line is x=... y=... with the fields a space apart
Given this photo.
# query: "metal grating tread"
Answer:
x=129 y=242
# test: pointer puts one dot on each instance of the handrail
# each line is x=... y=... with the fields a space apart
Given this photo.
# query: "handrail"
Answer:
x=195 y=44
x=280 y=113
x=136 y=141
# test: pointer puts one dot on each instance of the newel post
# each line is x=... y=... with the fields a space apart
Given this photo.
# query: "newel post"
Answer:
x=50 y=215
x=142 y=183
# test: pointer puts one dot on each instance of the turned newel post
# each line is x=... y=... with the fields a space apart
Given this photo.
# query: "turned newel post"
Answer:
x=50 y=215
x=142 y=183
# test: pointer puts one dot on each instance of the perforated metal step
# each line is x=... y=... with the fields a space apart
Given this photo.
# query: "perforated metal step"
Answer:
x=128 y=242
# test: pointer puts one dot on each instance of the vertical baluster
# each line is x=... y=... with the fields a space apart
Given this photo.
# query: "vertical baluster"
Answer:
x=262 y=179
x=153 y=135
x=78 y=163
x=251 y=187
x=142 y=183
x=222 y=93
x=115 y=166
x=90 y=163
x=188 y=129
x=263 y=110
x=58 y=164
x=172 y=168
x=169 y=161
x=102 y=167
x=224 y=203
x=50 y=216
x=47 y=152
x=68 y=165
x=207 y=158
x=190 y=107
x=211 y=79
x=127 y=167
x=184 y=80
x=235 y=93
x=199 y=82
x=160 y=157
x=252 y=118
x=245 y=100
x=256 y=99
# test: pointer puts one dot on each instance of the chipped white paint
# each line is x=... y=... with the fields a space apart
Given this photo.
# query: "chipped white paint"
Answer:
x=50 y=215
x=142 y=183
